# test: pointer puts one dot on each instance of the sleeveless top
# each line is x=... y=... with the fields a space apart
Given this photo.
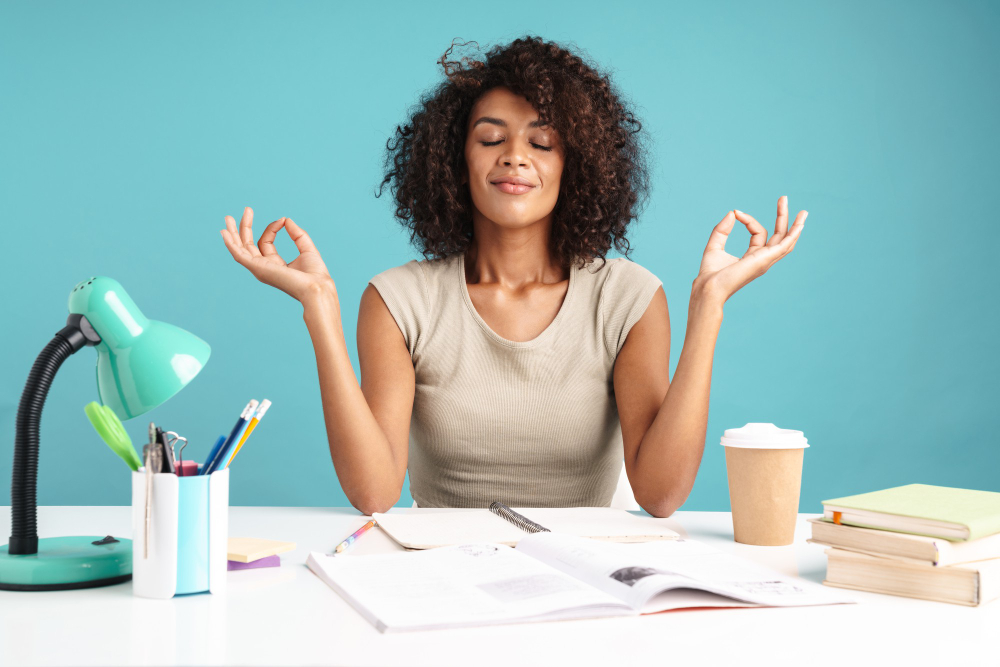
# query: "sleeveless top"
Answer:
x=531 y=424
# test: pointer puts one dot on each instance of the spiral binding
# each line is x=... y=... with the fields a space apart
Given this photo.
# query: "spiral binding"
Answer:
x=519 y=520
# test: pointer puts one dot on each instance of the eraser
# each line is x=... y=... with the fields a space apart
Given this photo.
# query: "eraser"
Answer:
x=187 y=468
x=267 y=561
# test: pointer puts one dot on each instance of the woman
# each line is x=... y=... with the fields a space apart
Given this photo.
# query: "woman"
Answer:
x=515 y=363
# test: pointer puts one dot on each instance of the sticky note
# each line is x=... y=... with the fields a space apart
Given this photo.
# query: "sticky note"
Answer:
x=249 y=549
x=266 y=561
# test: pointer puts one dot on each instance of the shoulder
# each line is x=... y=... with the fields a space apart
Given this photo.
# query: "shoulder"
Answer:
x=626 y=292
x=408 y=292
x=625 y=271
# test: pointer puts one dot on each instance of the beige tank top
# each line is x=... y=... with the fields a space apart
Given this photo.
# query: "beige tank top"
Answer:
x=531 y=424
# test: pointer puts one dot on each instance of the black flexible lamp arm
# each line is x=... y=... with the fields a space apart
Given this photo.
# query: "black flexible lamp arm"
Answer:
x=24 y=511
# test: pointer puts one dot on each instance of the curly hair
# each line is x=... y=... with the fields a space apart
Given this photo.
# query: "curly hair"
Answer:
x=605 y=180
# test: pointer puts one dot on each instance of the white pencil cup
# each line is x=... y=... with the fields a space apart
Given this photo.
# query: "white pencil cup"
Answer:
x=188 y=535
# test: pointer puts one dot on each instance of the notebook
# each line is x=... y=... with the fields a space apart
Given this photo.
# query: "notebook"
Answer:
x=921 y=509
x=501 y=525
x=551 y=576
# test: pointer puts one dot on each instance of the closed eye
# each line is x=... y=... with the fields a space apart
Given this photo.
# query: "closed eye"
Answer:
x=494 y=143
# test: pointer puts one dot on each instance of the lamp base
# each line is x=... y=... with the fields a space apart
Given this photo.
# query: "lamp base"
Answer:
x=66 y=563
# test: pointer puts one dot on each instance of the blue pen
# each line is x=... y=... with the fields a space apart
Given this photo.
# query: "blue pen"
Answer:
x=223 y=452
x=213 y=453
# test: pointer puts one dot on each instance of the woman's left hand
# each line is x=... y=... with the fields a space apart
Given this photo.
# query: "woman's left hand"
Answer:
x=722 y=274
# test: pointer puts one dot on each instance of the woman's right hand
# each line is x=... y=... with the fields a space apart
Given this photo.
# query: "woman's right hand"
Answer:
x=304 y=273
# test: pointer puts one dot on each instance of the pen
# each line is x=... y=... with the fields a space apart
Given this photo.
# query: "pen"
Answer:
x=350 y=540
x=264 y=405
x=224 y=450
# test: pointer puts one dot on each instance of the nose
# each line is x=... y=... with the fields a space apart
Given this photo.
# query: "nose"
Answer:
x=514 y=156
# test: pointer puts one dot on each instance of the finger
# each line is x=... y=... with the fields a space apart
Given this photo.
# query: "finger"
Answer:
x=720 y=233
x=758 y=235
x=781 y=222
x=792 y=237
x=235 y=248
x=266 y=242
x=232 y=238
x=246 y=232
x=299 y=236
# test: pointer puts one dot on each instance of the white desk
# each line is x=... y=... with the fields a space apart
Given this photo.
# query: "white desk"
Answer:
x=287 y=615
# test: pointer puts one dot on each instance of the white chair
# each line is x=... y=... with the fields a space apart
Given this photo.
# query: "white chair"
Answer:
x=623 y=499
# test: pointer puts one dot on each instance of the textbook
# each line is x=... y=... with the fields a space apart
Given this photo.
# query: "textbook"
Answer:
x=502 y=525
x=970 y=584
x=921 y=509
x=552 y=576
x=935 y=551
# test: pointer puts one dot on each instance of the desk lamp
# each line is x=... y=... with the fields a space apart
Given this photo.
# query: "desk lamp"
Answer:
x=140 y=364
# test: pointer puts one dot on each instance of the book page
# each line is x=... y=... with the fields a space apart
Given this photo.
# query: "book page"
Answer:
x=644 y=575
x=471 y=584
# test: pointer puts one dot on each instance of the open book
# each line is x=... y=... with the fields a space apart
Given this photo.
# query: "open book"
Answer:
x=552 y=576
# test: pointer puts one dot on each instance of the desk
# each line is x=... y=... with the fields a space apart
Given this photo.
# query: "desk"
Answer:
x=287 y=615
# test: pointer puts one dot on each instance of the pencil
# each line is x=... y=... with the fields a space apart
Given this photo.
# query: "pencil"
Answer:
x=220 y=455
x=350 y=540
x=264 y=405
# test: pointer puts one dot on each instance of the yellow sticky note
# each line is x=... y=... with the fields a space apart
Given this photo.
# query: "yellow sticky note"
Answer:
x=249 y=549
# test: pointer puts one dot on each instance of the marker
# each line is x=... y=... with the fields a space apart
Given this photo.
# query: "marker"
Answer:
x=227 y=445
x=264 y=405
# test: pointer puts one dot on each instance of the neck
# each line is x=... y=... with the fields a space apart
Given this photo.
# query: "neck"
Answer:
x=512 y=257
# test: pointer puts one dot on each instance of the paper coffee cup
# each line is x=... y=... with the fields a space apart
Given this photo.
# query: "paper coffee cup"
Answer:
x=764 y=467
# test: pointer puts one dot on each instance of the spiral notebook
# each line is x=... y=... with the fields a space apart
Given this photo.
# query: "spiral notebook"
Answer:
x=503 y=525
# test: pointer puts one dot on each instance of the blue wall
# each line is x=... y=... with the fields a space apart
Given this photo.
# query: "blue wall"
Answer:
x=128 y=130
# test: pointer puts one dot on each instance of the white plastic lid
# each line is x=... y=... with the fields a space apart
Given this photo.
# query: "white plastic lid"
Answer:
x=756 y=435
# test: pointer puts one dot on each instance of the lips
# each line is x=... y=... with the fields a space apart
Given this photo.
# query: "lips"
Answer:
x=513 y=185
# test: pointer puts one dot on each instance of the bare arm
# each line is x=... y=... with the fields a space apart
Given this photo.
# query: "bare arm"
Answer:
x=664 y=423
x=367 y=429
x=367 y=425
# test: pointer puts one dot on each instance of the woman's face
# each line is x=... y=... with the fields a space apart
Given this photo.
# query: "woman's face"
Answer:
x=504 y=141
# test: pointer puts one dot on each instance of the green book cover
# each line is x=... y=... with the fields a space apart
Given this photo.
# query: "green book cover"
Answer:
x=979 y=511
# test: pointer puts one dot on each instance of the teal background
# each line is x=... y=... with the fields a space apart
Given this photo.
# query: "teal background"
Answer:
x=128 y=130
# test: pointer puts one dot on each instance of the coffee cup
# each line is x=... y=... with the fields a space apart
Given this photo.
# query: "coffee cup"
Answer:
x=764 y=467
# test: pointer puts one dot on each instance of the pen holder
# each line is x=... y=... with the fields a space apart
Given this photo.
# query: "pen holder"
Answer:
x=188 y=535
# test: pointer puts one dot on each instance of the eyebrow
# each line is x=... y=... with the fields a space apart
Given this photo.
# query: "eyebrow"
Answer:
x=502 y=123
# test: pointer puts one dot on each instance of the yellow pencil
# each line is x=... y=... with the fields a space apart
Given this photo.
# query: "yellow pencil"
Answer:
x=264 y=405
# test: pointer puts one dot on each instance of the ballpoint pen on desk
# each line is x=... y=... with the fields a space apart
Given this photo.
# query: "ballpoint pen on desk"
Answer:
x=353 y=536
x=223 y=452
x=264 y=405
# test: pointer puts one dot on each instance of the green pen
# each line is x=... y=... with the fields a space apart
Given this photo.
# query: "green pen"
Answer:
x=110 y=428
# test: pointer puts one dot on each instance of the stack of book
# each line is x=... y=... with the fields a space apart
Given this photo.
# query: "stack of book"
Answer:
x=920 y=541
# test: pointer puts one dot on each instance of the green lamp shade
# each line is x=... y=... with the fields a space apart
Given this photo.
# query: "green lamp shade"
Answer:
x=140 y=362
